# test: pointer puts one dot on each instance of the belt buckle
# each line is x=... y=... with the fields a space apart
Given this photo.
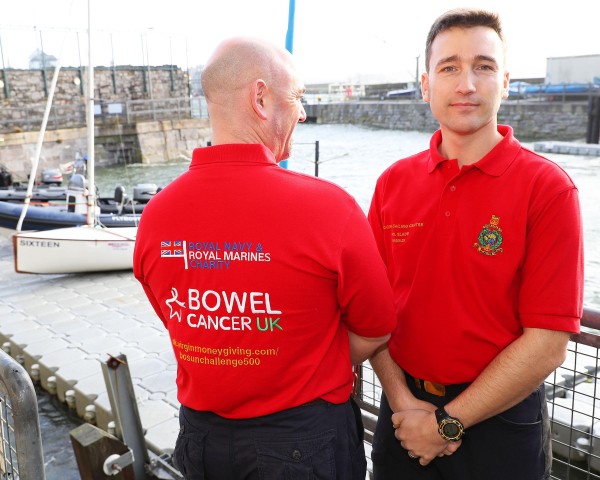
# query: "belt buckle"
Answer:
x=435 y=388
x=431 y=387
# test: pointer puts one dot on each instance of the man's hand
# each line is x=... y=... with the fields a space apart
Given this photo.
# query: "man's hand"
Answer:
x=414 y=420
x=417 y=432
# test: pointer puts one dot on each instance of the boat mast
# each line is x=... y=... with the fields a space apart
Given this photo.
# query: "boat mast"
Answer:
x=289 y=37
x=38 y=146
x=91 y=196
x=289 y=46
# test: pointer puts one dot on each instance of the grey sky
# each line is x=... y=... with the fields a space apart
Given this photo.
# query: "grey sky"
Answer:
x=334 y=40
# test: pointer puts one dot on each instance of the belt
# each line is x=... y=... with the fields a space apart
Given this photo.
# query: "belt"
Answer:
x=437 y=389
x=318 y=401
x=431 y=387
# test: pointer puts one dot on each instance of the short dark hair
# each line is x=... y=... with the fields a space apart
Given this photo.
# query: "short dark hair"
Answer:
x=461 y=18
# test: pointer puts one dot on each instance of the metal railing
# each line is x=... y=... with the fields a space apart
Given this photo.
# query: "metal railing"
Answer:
x=165 y=108
x=556 y=92
x=573 y=393
x=21 y=454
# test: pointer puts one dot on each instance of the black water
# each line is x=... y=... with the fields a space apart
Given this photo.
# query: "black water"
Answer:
x=56 y=421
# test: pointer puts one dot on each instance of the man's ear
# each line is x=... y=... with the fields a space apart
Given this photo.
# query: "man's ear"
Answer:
x=425 y=86
x=505 y=85
x=259 y=91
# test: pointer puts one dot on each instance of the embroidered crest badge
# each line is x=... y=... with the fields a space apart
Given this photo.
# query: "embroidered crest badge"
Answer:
x=490 y=238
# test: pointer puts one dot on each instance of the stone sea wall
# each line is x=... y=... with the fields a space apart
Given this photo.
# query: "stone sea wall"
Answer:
x=143 y=142
x=24 y=93
x=164 y=140
x=559 y=121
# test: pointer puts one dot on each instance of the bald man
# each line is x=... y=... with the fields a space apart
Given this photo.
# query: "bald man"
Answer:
x=269 y=283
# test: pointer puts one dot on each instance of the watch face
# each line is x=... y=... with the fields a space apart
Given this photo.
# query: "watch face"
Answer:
x=451 y=430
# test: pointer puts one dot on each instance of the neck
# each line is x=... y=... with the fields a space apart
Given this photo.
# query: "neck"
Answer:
x=468 y=149
x=229 y=130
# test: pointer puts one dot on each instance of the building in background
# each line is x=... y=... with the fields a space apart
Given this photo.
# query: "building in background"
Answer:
x=573 y=69
x=40 y=59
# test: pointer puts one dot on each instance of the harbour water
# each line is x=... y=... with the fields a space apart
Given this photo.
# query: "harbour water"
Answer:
x=56 y=421
x=354 y=156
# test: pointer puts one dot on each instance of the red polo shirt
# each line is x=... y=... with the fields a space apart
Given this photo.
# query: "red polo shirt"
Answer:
x=259 y=273
x=476 y=254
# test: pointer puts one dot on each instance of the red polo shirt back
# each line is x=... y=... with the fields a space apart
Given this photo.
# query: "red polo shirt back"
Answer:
x=259 y=273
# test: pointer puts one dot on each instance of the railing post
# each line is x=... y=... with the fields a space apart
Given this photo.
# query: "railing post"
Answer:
x=124 y=407
x=316 y=158
x=16 y=385
x=127 y=118
x=593 y=124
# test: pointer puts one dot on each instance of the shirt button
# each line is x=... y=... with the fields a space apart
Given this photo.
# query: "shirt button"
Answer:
x=296 y=455
x=447 y=213
x=453 y=188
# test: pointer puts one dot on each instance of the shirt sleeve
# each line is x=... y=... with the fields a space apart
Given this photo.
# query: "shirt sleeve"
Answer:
x=551 y=293
x=140 y=251
x=364 y=292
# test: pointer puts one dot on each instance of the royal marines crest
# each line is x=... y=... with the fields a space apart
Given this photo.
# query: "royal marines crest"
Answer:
x=490 y=238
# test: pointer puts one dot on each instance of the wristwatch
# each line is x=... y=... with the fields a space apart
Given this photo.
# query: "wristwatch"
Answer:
x=450 y=428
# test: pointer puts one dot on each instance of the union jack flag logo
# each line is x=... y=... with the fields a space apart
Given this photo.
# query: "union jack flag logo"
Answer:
x=172 y=248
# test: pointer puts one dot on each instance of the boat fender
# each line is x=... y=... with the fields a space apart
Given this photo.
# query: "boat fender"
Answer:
x=76 y=182
x=120 y=195
x=5 y=177
x=144 y=191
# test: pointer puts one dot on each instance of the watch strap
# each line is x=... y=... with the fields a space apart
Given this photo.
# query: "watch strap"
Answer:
x=443 y=419
x=440 y=414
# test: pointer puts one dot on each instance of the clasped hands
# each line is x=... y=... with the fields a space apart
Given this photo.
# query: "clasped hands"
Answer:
x=417 y=431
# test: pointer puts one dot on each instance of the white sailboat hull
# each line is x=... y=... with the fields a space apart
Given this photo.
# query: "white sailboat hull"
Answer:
x=74 y=250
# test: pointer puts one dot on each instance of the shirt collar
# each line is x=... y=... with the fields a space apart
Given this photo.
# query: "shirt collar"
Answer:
x=494 y=163
x=233 y=153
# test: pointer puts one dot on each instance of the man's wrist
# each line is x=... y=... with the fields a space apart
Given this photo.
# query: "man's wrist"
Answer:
x=450 y=428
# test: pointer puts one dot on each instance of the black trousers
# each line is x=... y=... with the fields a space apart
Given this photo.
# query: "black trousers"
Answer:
x=514 y=445
x=319 y=441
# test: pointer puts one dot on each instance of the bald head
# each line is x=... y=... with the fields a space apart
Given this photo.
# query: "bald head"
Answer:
x=253 y=94
x=239 y=61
